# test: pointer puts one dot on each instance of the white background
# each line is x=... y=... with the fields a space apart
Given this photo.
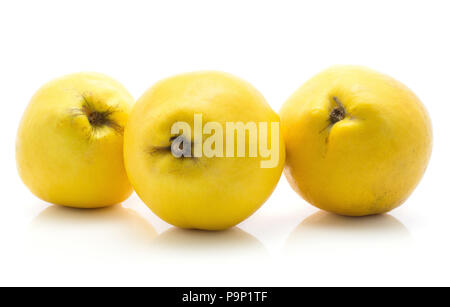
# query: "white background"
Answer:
x=276 y=46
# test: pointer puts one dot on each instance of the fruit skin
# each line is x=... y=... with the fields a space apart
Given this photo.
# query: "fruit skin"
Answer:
x=204 y=193
x=370 y=161
x=63 y=158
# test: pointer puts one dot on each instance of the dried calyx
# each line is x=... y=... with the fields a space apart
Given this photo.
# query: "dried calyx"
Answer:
x=180 y=146
x=338 y=112
x=99 y=119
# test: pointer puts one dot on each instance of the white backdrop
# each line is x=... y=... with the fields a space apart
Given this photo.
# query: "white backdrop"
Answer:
x=276 y=46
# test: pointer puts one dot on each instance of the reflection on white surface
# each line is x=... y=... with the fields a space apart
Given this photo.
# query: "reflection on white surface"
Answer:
x=208 y=245
x=90 y=233
x=119 y=233
x=327 y=249
x=326 y=232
